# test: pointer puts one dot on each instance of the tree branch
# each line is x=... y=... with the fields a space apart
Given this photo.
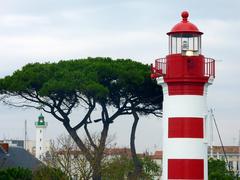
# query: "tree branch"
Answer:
x=136 y=161
x=72 y=105
x=89 y=137
x=84 y=120
x=102 y=142
x=78 y=141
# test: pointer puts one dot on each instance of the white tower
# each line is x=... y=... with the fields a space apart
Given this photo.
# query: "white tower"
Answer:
x=41 y=126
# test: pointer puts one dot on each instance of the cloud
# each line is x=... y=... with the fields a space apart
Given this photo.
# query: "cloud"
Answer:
x=35 y=47
x=22 y=20
x=220 y=33
x=50 y=30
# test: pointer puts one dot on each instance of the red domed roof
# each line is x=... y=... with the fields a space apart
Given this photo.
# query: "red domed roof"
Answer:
x=184 y=26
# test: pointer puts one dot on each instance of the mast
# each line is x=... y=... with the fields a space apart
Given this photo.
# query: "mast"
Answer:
x=211 y=132
x=25 y=134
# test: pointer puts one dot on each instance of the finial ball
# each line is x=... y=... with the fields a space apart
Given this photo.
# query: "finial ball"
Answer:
x=185 y=15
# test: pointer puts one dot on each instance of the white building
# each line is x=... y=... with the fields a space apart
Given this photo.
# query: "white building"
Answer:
x=232 y=153
x=41 y=126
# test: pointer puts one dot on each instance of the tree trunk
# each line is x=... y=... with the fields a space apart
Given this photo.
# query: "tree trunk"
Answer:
x=96 y=158
x=96 y=177
x=97 y=168
x=78 y=141
x=137 y=163
x=97 y=172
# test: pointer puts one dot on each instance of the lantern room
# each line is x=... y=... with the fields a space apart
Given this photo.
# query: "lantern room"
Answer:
x=185 y=38
x=185 y=61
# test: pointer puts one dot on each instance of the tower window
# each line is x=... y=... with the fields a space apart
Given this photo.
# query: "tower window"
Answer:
x=185 y=43
x=40 y=148
x=40 y=139
x=40 y=131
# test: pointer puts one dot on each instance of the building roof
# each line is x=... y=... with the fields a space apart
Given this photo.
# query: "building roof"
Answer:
x=41 y=116
x=18 y=157
x=157 y=155
x=184 y=26
x=228 y=149
x=13 y=142
x=118 y=151
x=107 y=151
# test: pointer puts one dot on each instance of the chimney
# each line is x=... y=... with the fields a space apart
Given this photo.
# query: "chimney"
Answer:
x=4 y=147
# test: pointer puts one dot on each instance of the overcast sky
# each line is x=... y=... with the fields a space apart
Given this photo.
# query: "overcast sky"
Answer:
x=51 y=30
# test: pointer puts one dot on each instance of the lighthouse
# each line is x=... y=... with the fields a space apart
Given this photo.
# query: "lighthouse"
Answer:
x=41 y=126
x=184 y=74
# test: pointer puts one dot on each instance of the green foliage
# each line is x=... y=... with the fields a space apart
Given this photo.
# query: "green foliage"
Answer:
x=150 y=168
x=43 y=173
x=105 y=79
x=15 y=174
x=217 y=170
x=49 y=173
x=118 y=168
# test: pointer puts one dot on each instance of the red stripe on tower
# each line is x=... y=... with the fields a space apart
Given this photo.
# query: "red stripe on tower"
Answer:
x=185 y=127
x=186 y=169
x=185 y=88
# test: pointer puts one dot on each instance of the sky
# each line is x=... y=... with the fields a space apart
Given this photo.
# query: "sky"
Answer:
x=51 y=30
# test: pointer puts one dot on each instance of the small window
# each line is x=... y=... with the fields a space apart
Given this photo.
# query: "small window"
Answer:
x=40 y=139
x=185 y=44
x=40 y=131
x=40 y=148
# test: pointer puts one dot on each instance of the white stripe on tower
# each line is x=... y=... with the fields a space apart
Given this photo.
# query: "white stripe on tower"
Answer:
x=184 y=139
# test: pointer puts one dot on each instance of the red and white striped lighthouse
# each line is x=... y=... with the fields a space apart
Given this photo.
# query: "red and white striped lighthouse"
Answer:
x=184 y=76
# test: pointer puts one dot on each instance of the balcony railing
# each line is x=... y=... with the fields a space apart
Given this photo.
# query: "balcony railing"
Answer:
x=160 y=68
x=209 y=69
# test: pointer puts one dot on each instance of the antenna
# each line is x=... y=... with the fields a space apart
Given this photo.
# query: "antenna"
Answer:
x=210 y=132
x=239 y=137
x=25 y=134
x=238 y=163
x=219 y=136
x=218 y=60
